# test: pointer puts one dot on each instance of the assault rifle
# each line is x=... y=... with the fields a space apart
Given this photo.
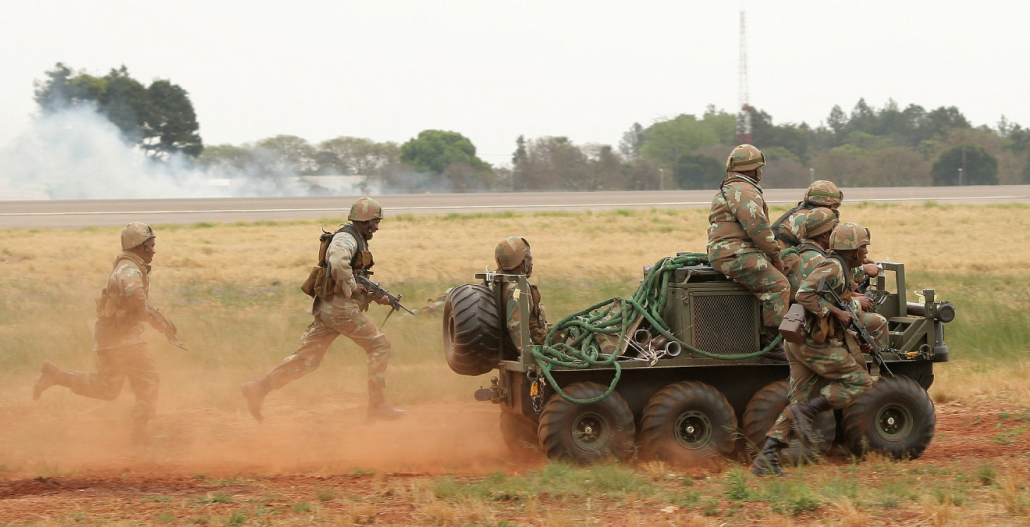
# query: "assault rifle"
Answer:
x=377 y=291
x=162 y=324
x=858 y=327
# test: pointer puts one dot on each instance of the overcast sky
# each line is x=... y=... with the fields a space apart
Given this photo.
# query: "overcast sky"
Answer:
x=493 y=70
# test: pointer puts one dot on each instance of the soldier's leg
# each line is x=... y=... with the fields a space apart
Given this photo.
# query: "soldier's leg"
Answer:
x=349 y=321
x=802 y=384
x=767 y=461
x=50 y=375
x=755 y=272
x=313 y=345
x=846 y=378
x=144 y=381
x=877 y=326
x=107 y=382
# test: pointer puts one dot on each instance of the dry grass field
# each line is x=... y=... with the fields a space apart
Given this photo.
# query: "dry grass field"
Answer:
x=233 y=291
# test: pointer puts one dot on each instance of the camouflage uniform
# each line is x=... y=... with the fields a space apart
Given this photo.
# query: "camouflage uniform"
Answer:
x=118 y=340
x=820 y=194
x=537 y=316
x=742 y=246
x=809 y=253
x=342 y=314
x=827 y=363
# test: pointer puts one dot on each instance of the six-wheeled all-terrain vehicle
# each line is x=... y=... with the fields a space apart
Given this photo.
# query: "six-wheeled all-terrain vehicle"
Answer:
x=677 y=372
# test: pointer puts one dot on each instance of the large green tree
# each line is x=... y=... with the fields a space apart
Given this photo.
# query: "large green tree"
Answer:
x=667 y=140
x=978 y=167
x=159 y=119
x=434 y=150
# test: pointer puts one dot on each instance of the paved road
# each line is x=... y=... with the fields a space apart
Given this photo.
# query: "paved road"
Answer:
x=76 y=213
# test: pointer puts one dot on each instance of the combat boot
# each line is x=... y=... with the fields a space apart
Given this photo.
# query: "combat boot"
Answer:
x=49 y=375
x=254 y=392
x=802 y=418
x=384 y=412
x=768 y=460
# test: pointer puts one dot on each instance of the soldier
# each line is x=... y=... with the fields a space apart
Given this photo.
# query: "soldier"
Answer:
x=829 y=358
x=338 y=308
x=814 y=232
x=117 y=335
x=741 y=244
x=820 y=194
x=513 y=256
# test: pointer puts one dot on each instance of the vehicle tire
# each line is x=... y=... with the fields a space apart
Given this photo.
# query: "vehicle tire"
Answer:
x=472 y=330
x=687 y=423
x=584 y=433
x=761 y=413
x=895 y=417
x=520 y=434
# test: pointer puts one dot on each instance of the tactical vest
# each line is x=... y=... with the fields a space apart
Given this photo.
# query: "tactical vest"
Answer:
x=362 y=260
x=827 y=328
x=110 y=312
x=320 y=282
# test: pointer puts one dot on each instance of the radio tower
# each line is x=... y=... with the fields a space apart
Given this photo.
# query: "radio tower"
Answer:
x=744 y=117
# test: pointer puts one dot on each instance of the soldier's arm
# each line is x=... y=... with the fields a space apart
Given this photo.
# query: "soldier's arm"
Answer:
x=748 y=207
x=339 y=254
x=133 y=296
x=808 y=295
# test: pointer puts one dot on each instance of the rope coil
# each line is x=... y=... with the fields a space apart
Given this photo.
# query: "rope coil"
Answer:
x=573 y=342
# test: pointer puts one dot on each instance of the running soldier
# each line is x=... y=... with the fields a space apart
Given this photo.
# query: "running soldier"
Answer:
x=741 y=244
x=513 y=256
x=339 y=309
x=828 y=371
x=118 y=335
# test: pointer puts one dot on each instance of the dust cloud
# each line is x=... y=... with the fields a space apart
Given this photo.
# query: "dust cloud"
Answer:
x=306 y=431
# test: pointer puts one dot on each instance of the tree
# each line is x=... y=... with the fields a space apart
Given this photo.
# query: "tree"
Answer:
x=898 y=166
x=520 y=150
x=159 y=119
x=290 y=155
x=632 y=142
x=667 y=140
x=696 y=171
x=604 y=168
x=172 y=123
x=356 y=156
x=978 y=166
x=434 y=150
x=553 y=163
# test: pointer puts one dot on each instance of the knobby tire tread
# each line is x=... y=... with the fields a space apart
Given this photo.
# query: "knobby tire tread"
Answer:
x=476 y=341
x=859 y=418
x=557 y=417
x=665 y=406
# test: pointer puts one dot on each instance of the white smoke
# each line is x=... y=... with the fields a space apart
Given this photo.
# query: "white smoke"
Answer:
x=77 y=153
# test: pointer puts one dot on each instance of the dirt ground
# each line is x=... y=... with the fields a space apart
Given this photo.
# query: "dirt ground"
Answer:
x=64 y=467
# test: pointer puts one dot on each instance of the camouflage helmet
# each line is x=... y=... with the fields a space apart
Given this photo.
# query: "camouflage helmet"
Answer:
x=817 y=221
x=824 y=193
x=365 y=209
x=510 y=252
x=743 y=158
x=849 y=235
x=135 y=234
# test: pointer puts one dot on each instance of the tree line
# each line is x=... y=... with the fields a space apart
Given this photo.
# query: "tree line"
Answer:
x=888 y=146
